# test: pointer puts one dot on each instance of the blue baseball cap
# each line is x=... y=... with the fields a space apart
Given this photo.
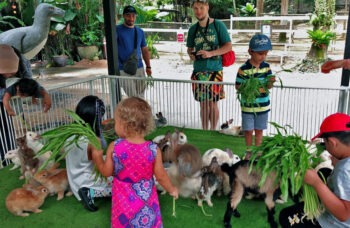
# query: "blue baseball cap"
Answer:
x=260 y=42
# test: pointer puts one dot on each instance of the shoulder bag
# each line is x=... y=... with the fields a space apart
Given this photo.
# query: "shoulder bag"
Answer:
x=130 y=65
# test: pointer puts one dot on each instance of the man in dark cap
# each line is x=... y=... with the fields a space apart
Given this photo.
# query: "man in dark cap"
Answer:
x=130 y=38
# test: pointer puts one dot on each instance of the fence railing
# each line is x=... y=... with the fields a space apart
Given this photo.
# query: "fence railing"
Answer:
x=279 y=24
x=301 y=108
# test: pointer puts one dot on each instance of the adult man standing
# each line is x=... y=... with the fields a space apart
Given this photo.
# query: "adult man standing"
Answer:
x=207 y=40
x=126 y=45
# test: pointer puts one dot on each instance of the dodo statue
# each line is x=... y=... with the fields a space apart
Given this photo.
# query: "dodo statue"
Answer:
x=30 y=40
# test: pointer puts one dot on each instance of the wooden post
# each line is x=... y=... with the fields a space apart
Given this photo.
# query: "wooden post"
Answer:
x=111 y=44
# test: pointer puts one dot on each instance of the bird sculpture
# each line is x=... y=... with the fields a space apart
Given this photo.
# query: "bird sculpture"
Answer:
x=30 y=40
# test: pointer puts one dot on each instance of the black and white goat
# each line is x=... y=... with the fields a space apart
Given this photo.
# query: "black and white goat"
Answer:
x=241 y=180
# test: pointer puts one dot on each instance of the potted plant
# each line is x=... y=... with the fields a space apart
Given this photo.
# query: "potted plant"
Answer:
x=90 y=40
x=320 y=42
x=87 y=29
x=59 y=52
x=59 y=42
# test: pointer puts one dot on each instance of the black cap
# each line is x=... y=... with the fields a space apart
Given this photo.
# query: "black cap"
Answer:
x=129 y=9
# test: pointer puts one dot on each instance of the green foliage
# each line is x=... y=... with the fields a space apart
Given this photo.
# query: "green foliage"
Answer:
x=6 y=20
x=144 y=16
x=151 y=40
x=272 y=6
x=66 y=135
x=250 y=88
x=322 y=18
x=87 y=27
x=90 y=36
x=248 y=10
x=288 y=156
x=321 y=38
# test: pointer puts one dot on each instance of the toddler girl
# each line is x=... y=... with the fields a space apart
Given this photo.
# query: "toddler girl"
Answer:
x=133 y=161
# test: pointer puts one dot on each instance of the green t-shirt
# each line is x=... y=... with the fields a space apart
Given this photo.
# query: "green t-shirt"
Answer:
x=213 y=34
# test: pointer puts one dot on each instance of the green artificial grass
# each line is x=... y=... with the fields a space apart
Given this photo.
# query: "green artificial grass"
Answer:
x=70 y=213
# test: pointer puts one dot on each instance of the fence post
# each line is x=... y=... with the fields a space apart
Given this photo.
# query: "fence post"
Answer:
x=344 y=101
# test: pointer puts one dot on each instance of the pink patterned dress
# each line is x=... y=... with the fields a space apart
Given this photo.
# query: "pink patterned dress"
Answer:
x=134 y=196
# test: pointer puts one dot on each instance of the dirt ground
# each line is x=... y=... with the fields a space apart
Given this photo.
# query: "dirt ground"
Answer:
x=85 y=63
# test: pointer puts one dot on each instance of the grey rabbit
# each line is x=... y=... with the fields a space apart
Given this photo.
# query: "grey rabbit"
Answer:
x=29 y=163
x=161 y=121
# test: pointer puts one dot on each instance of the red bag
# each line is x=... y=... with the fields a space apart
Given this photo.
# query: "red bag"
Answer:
x=228 y=58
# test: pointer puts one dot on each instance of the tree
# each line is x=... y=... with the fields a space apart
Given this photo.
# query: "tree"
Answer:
x=259 y=12
x=284 y=11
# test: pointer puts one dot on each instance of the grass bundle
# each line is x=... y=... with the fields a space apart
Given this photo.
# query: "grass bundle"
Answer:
x=63 y=136
x=251 y=88
x=288 y=156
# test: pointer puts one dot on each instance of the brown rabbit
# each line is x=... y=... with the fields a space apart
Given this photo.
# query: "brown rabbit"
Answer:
x=27 y=198
x=55 y=180
x=166 y=147
x=185 y=171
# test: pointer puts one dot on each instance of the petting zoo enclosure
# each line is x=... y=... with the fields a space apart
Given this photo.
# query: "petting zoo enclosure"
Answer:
x=301 y=108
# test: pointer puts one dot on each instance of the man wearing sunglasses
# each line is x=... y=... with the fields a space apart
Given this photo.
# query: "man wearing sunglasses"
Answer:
x=207 y=40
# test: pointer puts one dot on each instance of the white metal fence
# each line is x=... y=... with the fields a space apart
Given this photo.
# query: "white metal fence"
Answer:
x=302 y=108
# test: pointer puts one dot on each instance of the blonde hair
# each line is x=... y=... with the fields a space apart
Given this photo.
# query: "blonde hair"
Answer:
x=136 y=116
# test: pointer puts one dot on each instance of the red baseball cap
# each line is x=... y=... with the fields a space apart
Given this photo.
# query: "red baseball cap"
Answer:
x=336 y=122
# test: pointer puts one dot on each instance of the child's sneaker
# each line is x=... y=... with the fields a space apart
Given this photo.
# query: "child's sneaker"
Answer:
x=87 y=198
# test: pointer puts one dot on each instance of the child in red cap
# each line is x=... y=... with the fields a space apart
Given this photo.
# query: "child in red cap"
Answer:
x=335 y=194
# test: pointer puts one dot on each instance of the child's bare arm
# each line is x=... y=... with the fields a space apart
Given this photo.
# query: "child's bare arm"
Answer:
x=337 y=207
x=46 y=100
x=162 y=176
x=105 y=166
x=6 y=101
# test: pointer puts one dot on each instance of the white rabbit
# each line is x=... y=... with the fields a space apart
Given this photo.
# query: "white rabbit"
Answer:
x=177 y=135
x=228 y=128
x=223 y=156
x=13 y=156
x=33 y=142
x=327 y=162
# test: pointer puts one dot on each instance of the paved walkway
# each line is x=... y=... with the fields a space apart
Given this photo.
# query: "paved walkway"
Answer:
x=173 y=54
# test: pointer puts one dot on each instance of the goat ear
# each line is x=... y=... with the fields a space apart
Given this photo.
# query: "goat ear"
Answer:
x=160 y=114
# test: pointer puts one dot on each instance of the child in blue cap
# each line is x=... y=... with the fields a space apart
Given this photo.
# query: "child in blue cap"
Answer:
x=254 y=116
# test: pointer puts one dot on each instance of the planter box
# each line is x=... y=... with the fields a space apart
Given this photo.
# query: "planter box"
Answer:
x=87 y=52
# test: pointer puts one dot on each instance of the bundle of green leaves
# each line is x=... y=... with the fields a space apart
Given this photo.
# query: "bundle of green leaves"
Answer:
x=289 y=156
x=252 y=87
x=63 y=136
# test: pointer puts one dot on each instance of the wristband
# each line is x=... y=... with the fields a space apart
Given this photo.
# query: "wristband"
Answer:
x=148 y=67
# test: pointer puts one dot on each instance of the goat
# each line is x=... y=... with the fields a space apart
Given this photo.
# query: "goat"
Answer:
x=241 y=180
